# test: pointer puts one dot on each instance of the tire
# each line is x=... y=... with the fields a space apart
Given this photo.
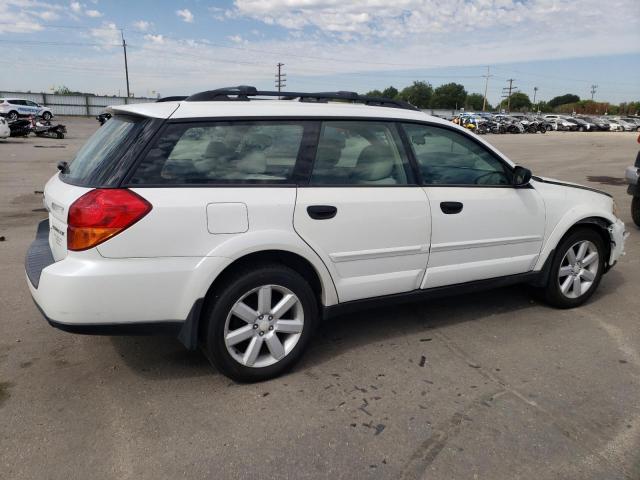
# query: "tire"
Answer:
x=635 y=210
x=12 y=116
x=257 y=336
x=560 y=290
x=581 y=129
x=46 y=116
x=60 y=136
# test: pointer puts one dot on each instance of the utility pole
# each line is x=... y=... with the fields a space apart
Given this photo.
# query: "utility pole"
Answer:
x=508 y=91
x=486 y=86
x=126 y=66
x=281 y=78
x=535 y=91
x=593 y=91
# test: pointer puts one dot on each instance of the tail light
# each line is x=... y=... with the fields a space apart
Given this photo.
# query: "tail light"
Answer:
x=101 y=214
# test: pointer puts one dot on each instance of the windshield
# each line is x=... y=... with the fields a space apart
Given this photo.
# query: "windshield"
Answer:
x=106 y=145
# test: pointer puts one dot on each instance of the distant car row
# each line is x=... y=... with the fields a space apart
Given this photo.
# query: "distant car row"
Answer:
x=527 y=123
x=14 y=108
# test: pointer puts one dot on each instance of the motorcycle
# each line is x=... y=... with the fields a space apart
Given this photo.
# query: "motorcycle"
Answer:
x=46 y=129
x=20 y=128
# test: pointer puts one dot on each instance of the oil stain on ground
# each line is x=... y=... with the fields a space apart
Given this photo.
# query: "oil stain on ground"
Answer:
x=604 y=180
x=4 y=391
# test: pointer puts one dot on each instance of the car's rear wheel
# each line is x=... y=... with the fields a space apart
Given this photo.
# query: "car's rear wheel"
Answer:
x=635 y=210
x=260 y=322
x=13 y=116
x=46 y=116
x=576 y=269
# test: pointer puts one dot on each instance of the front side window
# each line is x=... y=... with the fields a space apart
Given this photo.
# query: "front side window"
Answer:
x=360 y=153
x=240 y=152
x=446 y=157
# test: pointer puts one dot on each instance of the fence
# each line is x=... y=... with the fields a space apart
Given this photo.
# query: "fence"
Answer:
x=88 y=105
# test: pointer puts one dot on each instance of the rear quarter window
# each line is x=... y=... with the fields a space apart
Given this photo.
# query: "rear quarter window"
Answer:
x=262 y=152
x=104 y=148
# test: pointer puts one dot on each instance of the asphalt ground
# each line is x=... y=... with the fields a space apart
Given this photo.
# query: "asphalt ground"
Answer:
x=483 y=386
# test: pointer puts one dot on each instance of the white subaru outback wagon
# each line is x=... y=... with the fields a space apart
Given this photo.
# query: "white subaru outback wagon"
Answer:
x=236 y=222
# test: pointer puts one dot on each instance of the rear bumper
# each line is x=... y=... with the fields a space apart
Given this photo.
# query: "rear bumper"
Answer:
x=86 y=293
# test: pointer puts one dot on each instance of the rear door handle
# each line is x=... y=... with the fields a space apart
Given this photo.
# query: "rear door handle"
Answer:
x=451 y=207
x=322 y=212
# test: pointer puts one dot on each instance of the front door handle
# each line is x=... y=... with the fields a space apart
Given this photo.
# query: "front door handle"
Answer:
x=451 y=207
x=322 y=212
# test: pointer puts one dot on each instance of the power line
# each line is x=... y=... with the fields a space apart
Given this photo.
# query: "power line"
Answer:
x=486 y=86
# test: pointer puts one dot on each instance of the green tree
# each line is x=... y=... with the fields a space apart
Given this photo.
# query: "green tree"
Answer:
x=374 y=93
x=543 y=106
x=390 y=92
x=419 y=94
x=449 y=95
x=62 y=90
x=562 y=99
x=475 y=101
x=518 y=101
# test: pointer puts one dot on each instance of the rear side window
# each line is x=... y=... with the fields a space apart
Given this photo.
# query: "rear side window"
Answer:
x=107 y=145
x=229 y=152
x=446 y=157
x=360 y=153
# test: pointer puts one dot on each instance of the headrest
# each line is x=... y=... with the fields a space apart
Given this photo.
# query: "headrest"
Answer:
x=374 y=163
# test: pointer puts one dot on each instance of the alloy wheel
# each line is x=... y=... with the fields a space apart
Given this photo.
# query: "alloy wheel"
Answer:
x=578 y=269
x=264 y=326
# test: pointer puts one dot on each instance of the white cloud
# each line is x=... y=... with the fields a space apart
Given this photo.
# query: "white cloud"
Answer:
x=142 y=25
x=107 y=35
x=93 y=13
x=76 y=7
x=156 y=39
x=186 y=15
x=236 y=38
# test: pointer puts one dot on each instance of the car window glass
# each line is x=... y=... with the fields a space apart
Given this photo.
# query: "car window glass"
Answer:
x=360 y=153
x=446 y=157
x=242 y=152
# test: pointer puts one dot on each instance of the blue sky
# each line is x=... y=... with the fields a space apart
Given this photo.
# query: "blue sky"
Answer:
x=179 y=47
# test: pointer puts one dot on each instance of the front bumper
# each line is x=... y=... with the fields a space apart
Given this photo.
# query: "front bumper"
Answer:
x=631 y=175
x=618 y=236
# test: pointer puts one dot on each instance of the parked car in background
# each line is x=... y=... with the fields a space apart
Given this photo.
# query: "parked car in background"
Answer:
x=583 y=125
x=633 y=121
x=14 y=108
x=618 y=126
x=599 y=123
x=559 y=122
x=5 y=131
x=632 y=176
x=237 y=224
x=626 y=125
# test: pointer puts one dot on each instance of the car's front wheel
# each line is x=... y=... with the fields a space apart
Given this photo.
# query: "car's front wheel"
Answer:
x=46 y=116
x=13 y=116
x=576 y=269
x=260 y=322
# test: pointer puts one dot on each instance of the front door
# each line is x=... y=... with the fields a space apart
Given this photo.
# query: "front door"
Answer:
x=362 y=211
x=482 y=226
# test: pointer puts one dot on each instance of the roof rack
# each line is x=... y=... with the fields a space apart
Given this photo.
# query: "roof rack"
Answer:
x=243 y=92
x=175 y=98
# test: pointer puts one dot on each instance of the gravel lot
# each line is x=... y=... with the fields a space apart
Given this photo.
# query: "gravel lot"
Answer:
x=489 y=386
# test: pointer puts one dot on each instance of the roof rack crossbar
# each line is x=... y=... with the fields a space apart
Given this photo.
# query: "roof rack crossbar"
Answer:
x=243 y=92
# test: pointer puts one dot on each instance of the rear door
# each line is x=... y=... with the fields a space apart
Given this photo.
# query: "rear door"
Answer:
x=362 y=211
x=483 y=227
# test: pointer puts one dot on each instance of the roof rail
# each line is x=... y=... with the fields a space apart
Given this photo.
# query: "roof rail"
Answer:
x=243 y=92
x=175 y=98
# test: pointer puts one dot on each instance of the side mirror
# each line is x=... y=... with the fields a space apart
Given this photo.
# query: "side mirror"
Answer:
x=521 y=176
